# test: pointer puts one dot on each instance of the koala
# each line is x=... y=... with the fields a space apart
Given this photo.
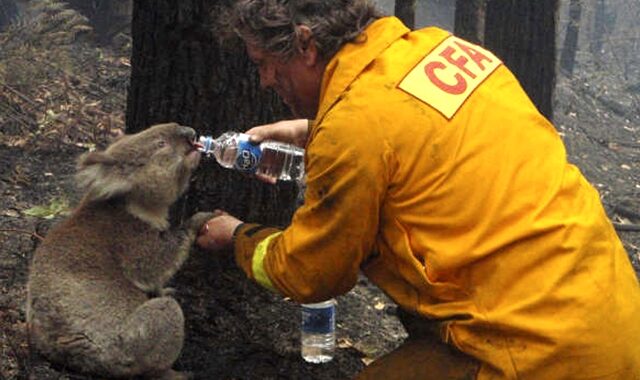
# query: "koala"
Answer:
x=96 y=300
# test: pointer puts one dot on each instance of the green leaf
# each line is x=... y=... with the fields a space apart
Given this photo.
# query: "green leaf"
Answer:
x=55 y=208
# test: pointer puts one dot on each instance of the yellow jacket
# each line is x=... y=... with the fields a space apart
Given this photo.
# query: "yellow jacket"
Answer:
x=430 y=170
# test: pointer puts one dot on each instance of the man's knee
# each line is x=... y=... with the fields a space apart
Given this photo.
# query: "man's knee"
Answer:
x=424 y=359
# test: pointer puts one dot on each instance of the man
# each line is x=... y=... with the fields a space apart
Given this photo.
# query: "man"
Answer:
x=429 y=169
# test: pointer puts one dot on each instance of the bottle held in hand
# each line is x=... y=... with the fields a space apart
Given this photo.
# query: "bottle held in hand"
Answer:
x=275 y=160
x=318 y=331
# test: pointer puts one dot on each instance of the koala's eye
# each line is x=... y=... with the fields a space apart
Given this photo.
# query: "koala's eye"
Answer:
x=161 y=144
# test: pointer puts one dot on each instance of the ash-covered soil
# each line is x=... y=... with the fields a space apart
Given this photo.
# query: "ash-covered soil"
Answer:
x=235 y=329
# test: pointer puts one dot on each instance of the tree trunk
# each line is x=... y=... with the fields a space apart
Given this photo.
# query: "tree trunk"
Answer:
x=182 y=72
x=405 y=10
x=599 y=32
x=469 y=20
x=8 y=11
x=522 y=34
x=107 y=17
x=570 y=46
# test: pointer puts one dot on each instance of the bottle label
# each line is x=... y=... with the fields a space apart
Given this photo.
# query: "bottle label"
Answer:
x=318 y=320
x=248 y=156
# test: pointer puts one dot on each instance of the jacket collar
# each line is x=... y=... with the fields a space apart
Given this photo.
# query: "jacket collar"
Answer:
x=353 y=58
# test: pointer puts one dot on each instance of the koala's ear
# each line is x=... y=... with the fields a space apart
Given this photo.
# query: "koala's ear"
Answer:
x=99 y=176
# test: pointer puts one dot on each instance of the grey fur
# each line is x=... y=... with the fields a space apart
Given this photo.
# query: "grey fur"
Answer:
x=91 y=283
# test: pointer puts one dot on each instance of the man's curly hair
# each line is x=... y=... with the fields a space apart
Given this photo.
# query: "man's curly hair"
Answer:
x=273 y=25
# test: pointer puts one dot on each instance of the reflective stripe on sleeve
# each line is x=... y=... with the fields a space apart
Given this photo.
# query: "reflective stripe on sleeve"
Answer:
x=257 y=263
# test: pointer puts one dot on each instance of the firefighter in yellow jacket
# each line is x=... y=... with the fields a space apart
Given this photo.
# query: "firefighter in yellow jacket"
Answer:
x=430 y=170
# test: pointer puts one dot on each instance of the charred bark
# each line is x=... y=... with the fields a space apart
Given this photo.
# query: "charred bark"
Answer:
x=522 y=34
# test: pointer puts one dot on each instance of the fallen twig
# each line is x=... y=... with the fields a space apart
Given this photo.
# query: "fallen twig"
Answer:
x=626 y=227
x=32 y=233
x=20 y=94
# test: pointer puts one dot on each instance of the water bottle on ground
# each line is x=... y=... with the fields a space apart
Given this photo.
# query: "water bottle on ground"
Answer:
x=273 y=159
x=318 y=332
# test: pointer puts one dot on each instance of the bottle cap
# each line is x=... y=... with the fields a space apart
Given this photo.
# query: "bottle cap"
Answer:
x=204 y=144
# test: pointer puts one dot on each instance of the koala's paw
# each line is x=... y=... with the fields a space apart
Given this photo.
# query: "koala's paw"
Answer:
x=196 y=221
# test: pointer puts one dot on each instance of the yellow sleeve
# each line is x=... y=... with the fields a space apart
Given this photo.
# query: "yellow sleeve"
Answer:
x=319 y=255
x=250 y=245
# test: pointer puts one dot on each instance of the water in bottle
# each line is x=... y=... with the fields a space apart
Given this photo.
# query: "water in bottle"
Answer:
x=273 y=159
x=318 y=336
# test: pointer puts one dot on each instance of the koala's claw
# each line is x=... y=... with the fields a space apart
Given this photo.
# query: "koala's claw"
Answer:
x=161 y=292
x=196 y=222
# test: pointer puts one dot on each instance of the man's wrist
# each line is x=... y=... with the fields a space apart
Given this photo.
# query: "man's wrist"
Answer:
x=235 y=232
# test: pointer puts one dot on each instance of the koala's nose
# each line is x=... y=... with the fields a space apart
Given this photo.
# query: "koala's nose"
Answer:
x=188 y=133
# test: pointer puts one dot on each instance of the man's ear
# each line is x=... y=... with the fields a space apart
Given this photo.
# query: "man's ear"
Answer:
x=307 y=45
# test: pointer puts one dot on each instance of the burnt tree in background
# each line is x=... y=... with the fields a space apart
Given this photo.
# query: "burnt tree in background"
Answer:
x=469 y=20
x=405 y=10
x=604 y=20
x=599 y=29
x=522 y=34
x=8 y=11
x=570 y=45
x=183 y=72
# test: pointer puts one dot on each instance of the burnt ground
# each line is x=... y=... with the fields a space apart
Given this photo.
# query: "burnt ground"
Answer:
x=236 y=330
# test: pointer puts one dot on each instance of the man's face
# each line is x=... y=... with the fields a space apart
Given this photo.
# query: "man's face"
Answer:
x=296 y=80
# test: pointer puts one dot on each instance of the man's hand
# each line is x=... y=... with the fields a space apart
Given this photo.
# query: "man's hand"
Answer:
x=293 y=132
x=217 y=233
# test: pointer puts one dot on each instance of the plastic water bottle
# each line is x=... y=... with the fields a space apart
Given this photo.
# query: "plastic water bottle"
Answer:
x=273 y=159
x=318 y=332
